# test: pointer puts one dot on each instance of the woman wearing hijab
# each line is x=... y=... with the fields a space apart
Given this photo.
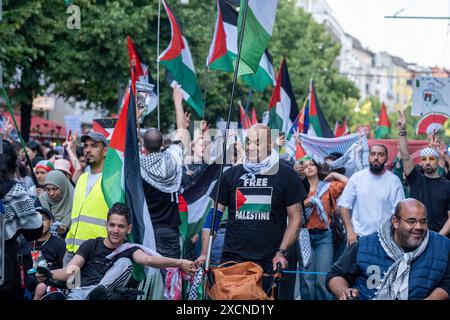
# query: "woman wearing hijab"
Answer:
x=58 y=198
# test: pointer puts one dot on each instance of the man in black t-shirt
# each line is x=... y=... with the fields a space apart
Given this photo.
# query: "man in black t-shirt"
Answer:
x=104 y=264
x=429 y=188
x=264 y=199
x=161 y=178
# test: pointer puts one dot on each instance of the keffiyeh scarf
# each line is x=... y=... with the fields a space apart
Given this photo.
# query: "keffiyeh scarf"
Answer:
x=322 y=188
x=395 y=284
x=163 y=170
x=262 y=167
x=20 y=212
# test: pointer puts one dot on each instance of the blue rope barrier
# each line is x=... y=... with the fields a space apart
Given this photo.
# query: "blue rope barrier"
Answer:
x=304 y=272
x=292 y=271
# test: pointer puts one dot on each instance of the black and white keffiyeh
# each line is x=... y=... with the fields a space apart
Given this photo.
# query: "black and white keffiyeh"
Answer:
x=395 y=284
x=20 y=212
x=163 y=170
x=262 y=167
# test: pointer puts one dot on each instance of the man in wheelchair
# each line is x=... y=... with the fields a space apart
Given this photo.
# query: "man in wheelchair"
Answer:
x=103 y=266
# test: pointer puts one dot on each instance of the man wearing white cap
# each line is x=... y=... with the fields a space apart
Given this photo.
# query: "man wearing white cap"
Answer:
x=429 y=188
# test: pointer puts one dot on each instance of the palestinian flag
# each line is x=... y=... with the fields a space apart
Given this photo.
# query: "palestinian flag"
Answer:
x=245 y=120
x=139 y=72
x=122 y=180
x=384 y=125
x=318 y=126
x=254 y=117
x=223 y=52
x=341 y=129
x=264 y=76
x=283 y=109
x=254 y=199
x=104 y=126
x=177 y=59
x=259 y=22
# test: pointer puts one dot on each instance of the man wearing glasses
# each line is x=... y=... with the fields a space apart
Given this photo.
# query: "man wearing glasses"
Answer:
x=429 y=188
x=403 y=260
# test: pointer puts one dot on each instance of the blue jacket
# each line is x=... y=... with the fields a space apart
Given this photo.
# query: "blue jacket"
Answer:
x=427 y=271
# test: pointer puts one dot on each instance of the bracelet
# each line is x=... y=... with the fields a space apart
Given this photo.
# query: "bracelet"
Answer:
x=282 y=251
x=402 y=133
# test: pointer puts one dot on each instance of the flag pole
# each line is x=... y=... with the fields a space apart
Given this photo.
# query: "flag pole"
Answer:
x=157 y=58
x=204 y=94
x=249 y=99
x=22 y=143
x=207 y=69
x=230 y=107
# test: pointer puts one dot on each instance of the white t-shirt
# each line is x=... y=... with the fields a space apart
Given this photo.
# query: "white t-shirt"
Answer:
x=91 y=180
x=373 y=199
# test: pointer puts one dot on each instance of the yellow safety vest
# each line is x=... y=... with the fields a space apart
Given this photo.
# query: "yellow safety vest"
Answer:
x=88 y=214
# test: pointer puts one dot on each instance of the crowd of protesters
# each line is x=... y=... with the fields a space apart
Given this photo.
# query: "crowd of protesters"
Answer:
x=332 y=221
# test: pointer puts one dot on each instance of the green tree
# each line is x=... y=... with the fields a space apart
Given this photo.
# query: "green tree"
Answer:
x=26 y=35
x=91 y=64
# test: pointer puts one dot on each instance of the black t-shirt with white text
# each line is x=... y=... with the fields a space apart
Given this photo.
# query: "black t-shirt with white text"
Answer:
x=96 y=264
x=257 y=215
x=434 y=193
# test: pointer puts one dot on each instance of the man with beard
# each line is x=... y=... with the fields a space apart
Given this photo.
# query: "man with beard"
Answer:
x=402 y=261
x=371 y=194
x=429 y=188
x=89 y=208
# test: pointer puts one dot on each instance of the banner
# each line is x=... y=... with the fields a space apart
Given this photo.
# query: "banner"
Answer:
x=431 y=95
x=72 y=123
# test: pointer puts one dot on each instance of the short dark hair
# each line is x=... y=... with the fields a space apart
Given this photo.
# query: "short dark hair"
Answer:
x=380 y=145
x=121 y=210
x=80 y=152
x=52 y=153
x=153 y=140
x=333 y=156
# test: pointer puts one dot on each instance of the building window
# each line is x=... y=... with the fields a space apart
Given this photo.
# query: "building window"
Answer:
x=409 y=82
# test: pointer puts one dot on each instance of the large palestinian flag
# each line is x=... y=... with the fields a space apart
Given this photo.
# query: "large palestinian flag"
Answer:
x=254 y=199
x=257 y=32
x=283 y=109
x=223 y=51
x=318 y=126
x=122 y=181
x=177 y=59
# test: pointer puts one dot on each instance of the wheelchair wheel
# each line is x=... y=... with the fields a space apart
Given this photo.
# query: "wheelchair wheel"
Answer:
x=55 y=295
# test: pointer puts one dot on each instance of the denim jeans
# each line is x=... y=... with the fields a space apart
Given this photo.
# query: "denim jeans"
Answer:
x=312 y=286
x=216 y=249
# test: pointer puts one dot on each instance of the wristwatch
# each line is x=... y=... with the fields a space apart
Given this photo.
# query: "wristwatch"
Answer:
x=282 y=251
